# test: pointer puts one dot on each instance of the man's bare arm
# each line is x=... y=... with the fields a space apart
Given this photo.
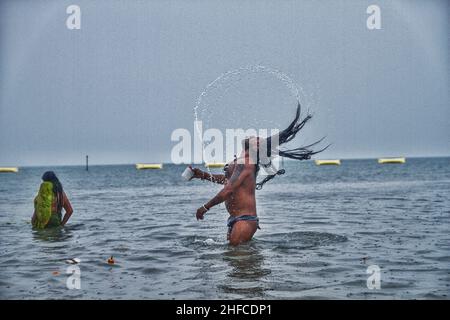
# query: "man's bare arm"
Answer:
x=216 y=178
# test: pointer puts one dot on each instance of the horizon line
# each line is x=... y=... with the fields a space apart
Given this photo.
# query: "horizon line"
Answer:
x=171 y=163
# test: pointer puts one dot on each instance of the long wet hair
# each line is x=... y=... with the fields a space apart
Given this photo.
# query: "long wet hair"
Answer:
x=300 y=153
x=58 y=191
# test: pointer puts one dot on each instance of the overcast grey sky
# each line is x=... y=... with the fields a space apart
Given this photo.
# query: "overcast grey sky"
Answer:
x=119 y=86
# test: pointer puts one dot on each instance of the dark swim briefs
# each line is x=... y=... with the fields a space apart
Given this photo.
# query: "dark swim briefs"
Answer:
x=232 y=220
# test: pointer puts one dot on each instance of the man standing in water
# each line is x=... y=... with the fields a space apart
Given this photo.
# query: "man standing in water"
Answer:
x=239 y=179
x=238 y=193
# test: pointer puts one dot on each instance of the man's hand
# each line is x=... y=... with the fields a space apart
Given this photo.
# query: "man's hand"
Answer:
x=200 y=213
x=197 y=173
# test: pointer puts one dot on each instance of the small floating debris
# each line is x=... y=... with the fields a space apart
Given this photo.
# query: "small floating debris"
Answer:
x=335 y=162
x=9 y=169
x=55 y=273
x=142 y=166
x=73 y=261
x=214 y=165
x=111 y=260
x=391 y=160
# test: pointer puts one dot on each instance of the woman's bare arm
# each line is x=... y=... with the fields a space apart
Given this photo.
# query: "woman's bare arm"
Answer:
x=68 y=208
x=33 y=217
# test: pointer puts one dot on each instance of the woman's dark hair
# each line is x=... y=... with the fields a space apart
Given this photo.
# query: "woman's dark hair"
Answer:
x=50 y=176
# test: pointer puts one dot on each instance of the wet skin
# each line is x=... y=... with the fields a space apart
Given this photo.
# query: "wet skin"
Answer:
x=238 y=194
x=242 y=202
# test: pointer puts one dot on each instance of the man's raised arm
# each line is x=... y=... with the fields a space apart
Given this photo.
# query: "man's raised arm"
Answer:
x=216 y=178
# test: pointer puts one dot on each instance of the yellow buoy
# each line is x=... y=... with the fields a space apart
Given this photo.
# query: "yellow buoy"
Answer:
x=215 y=165
x=9 y=169
x=391 y=160
x=328 y=162
x=141 y=166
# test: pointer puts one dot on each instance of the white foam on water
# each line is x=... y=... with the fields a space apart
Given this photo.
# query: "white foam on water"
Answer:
x=210 y=241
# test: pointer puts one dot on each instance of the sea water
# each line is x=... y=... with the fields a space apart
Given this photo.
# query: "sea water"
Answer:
x=321 y=228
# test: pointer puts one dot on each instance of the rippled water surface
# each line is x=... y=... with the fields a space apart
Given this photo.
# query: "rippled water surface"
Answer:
x=321 y=227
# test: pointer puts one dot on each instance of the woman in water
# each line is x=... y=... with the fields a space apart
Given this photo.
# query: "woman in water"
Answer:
x=49 y=203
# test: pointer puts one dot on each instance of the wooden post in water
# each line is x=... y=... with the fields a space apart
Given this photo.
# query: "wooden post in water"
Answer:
x=87 y=163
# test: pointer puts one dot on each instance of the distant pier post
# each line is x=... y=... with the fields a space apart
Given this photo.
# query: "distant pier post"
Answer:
x=87 y=163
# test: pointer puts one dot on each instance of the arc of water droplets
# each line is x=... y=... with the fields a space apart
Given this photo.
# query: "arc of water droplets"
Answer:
x=290 y=84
